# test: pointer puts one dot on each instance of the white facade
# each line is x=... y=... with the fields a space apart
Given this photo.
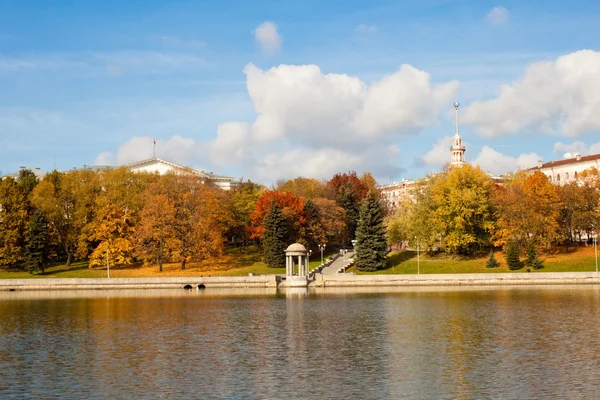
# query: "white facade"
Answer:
x=565 y=171
x=394 y=193
x=156 y=165
x=457 y=151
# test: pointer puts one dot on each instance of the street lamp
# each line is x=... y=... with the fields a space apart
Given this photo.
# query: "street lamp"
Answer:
x=322 y=247
x=343 y=253
x=308 y=259
x=418 y=261
x=596 y=249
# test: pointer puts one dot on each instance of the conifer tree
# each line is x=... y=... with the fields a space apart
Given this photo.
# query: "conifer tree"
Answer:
x=492 y=262
x=274 y=236
x=512 y=257
x=36 y=247
x=532 y=258
x=371 y=244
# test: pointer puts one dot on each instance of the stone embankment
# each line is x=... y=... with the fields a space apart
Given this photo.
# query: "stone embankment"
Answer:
x=489 y=279
x=319 y=280
x=260 y=281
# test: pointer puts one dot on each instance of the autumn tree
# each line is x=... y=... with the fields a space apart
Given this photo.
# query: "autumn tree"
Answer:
x=371 y=243
x=348 y=191
x=292 y=208
x=307 y=188
x=415 y=218
x=462 y=199
x=117 y=207
x=155 y=232
x=14 y=216
x=37 y=246
x=241 y=202
x=332 y=219
x=528 y=210
x=274 y=236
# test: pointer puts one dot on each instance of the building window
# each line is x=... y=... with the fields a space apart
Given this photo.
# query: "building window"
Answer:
x=557 y=177
x=566 y=176
x=575 y=175
x=550 y=178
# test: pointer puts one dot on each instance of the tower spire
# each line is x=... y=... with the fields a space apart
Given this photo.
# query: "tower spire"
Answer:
x=457 y=151
x=456 y=104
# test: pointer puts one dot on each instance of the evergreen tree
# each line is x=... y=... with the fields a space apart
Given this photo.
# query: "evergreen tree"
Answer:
x=532 y=257
x=348 y=201
x=371 y=241
x=274 y=236
x=492 y=262
x=36 y=247
x=512 y=257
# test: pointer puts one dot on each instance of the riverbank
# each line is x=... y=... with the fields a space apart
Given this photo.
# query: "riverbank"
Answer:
x=323 y=281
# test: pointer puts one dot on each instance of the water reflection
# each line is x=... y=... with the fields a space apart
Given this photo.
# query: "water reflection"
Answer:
x=525 y=342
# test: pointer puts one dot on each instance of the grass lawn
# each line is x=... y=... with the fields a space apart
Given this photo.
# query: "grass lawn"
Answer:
x=405 y=262
x=235 y=262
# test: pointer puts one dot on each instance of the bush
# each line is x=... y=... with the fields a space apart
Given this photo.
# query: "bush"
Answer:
x=512 y=257
x=492 y=262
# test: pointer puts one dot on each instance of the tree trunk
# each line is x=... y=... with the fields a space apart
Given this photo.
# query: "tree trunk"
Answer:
x=69 y=259
x=183 y=264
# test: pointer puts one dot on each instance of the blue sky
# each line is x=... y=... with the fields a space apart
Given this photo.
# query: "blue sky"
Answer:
x=277 y=89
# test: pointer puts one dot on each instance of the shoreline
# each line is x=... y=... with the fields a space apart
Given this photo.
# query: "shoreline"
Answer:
x=320 y=281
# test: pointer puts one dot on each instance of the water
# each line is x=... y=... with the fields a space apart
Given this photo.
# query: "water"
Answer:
x=535 y=342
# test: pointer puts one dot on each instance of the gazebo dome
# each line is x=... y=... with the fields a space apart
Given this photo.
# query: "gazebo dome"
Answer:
x=296 y=247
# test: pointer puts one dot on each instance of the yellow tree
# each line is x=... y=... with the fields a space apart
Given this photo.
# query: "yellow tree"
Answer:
x=117 y=206
x=463 y=208
x=154 y=233
x=528 y=211
x=13 y=222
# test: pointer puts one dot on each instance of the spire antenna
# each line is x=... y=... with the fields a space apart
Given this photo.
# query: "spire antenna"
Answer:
x=456 y=104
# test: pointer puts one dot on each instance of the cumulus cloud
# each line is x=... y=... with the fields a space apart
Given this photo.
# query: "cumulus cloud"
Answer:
x=497 y=163
x=554 y=97
x=267 y=37
x=313 y=123
x=440 y=153
x=576 y=147
x=177 y=149
x=497 y=16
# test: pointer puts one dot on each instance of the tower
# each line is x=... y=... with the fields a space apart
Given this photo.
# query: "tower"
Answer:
x=457 y=150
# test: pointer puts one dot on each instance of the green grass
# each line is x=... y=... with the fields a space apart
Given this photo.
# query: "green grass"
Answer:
x=405 y=262
x=234 y=262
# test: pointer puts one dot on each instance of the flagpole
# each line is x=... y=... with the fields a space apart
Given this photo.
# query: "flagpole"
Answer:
x=154 y=150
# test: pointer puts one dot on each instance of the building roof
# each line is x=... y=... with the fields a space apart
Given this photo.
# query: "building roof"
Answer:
x=39 y=174
x=296 y=247
x=567 y=161
x=204 y=174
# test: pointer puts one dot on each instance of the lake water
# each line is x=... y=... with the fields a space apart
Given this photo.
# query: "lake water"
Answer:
x=522 y=342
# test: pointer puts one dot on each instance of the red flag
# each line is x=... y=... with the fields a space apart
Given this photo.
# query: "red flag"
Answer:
x=154 y=141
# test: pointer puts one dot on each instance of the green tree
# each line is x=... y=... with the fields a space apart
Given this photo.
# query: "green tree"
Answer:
x=371 y=243
x=273 y=237
x=512 y=256
x=36 y=247
x=532 y=259
x=492 y=262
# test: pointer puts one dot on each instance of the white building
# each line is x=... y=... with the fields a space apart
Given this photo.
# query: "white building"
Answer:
x=157 y=165
x=564 y=171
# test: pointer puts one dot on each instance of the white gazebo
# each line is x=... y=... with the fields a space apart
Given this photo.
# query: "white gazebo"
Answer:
x=296 y=254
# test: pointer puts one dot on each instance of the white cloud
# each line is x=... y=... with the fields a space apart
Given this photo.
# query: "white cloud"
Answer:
x=313 y=123
x=177 y=149
x=267 y=37
x=497 y=16
x=495 y=162
x=440 y=153
x=576 y=147
x=554 y=97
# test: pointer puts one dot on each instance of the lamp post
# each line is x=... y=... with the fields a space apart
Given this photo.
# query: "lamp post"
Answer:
x=418 y=261
x=596 y=250
x=322 y=247
x=343 y=252
x=308 y=259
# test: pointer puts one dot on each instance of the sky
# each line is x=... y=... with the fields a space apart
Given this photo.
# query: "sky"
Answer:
x=271 y=90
